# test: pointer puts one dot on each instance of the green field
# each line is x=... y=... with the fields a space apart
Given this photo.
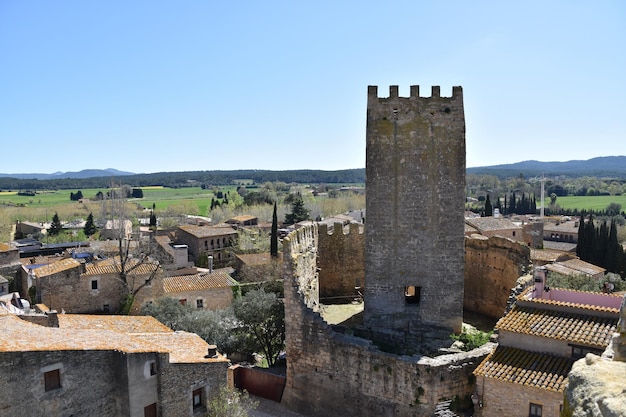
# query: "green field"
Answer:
x=595 y=203
x=162 y=197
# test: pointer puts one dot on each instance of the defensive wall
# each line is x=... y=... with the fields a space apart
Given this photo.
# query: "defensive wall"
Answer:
x=341 y=262
x=332 y=372
x=492 y=267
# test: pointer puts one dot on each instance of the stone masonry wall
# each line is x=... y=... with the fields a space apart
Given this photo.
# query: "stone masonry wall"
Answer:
x=179 y=380
x=88 y=384
x=508 y=399
x=492 y=267
x=333 y=373
x=415 y=169
x=341 y=261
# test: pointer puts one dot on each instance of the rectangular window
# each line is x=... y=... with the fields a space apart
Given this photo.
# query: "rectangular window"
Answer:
x=52 y=380
x=535 y=410
x=94 y=284
x=412 y=294
x=200 y=303
x=197 y=397
x=183 y=301
x=152 y=368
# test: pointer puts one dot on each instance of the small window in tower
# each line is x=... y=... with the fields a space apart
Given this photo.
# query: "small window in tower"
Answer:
x=94 y=284
x=412 y=294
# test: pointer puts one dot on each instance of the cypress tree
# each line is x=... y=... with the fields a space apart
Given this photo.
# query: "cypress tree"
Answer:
x=90 y=228
x=55 y=227
x=274 y=235
x=488 y=207
x=581 y=236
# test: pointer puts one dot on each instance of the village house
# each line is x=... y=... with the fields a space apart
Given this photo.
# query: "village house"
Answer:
x=113 y=229
x=211 y=290
x=494 y=226
x=243 y=221
x=561 y=231
x=539 y=339
x=75 y=286
x=104 y=365
x=207 y=241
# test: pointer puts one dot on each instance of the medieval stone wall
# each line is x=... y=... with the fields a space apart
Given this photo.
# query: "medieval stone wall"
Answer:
x=334 y=373
x=88 y=384
x=492 y=267
x=341 y=262
x=415 y=168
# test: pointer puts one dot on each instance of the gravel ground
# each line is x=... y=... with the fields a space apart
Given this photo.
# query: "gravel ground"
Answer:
x=269 y=408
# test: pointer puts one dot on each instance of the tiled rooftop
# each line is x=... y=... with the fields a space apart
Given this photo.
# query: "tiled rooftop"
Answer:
x=583 y=266
x=207 y=231
x=485 y=224
x=112 y=266
x=533 y=369
x=255 y=258
x=56 y=267
x=569 y=326
x=103 y=333
x=122 y=324
x=195 y=282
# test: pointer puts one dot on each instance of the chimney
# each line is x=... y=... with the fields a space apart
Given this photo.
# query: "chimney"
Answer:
x=212 y=352
x=210 y=264
x=540 y=281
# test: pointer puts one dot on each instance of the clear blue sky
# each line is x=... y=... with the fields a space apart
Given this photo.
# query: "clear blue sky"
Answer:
x=150 y=86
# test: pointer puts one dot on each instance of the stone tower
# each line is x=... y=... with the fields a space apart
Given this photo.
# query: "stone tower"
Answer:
x=415 y=181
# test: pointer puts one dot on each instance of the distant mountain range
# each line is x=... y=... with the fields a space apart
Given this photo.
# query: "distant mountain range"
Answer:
x=605 y=166
x=85 y=173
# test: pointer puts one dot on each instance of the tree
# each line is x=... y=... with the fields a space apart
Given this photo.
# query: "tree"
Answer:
x=488 y=207
x=168 y=311
x=231 y=403
x=298 y=211
x=262 y=317
x=153 y=219
x=55 y=226
x=90 y=228
x=274 y=234
x=135 y=265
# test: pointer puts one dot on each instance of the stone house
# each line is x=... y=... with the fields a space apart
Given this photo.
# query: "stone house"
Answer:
x=207 y=240
x=577 y=267
x=495 y=226
x=539 y=340
x=25 y=229
x=243 y=221
x=87 y=287
x=113 y=228
x=211 y=290
x=104 y=366
x=173 y=256
x=561 y=231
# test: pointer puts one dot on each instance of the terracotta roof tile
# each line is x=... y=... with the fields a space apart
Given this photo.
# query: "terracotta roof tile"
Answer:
x=115 y=333
x=195 y=282
x=122 y=324
x=572 y=327
x=207 y=231
x=534 y=369
x=112 y=266
x=56 y=267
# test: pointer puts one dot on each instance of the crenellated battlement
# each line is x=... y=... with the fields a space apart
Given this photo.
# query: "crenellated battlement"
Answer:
x=372 y=93
x=352 y=229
